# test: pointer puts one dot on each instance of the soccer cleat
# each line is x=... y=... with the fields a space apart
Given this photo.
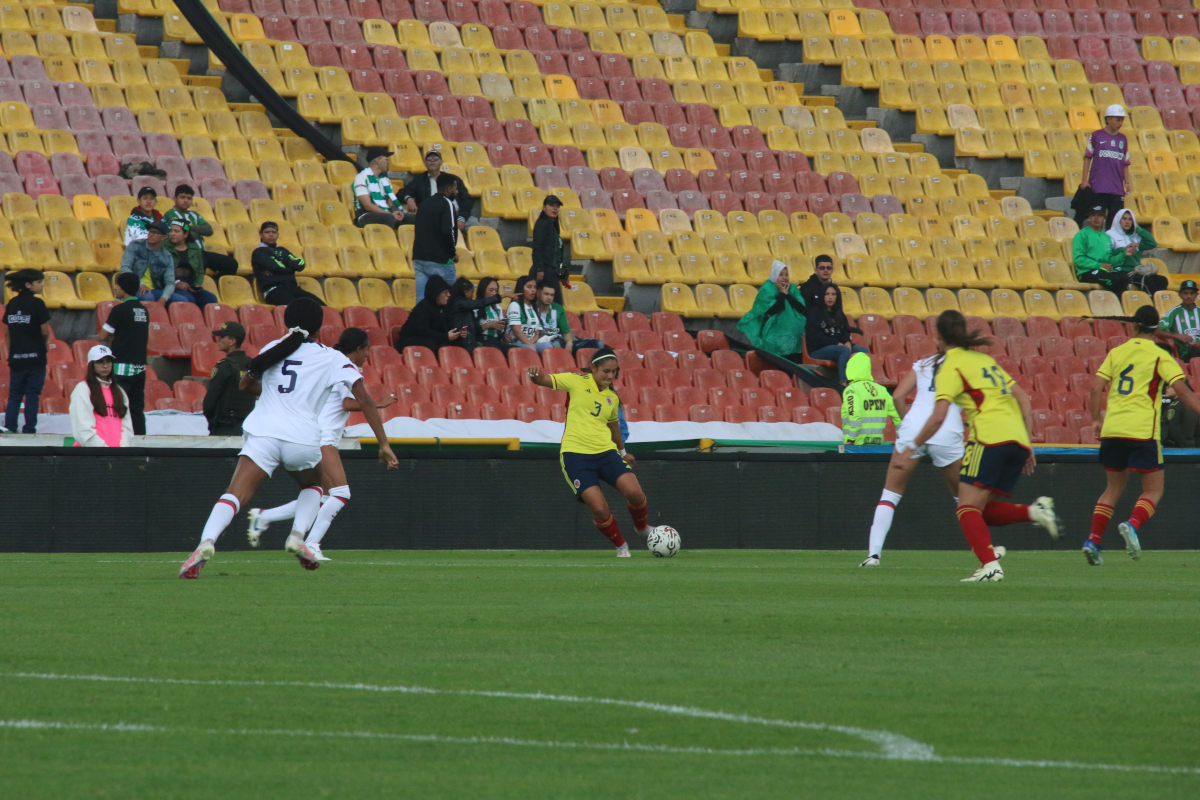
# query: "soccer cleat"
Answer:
x=257 y=526
x=300 y=550
x=316 y=550
x=989 y=572
x=196 y=561
x=644 y=532
x=623 y=551
x=1000 y=551
x=871 y=561
x=1129 y=533
x=1041 y=512
x=1092 y=551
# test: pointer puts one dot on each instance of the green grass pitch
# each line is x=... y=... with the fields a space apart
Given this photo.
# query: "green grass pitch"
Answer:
x=263 y=681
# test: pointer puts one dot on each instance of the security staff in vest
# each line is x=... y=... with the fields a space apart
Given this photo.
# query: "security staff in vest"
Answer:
x=435 y=240
x=866 y=405
x=225 y=405
x=375 y=202
x=423 y=187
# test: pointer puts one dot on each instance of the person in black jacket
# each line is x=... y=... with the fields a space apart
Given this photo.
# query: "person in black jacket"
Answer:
x=549 y=257
x=226 y=406
x=128 y=329
x=435 y=238
x=464 y=308
x=430 y=324
x=827 y=331
x=27 y=328
x=812 y=291
x=422 y=187
x=275 y=269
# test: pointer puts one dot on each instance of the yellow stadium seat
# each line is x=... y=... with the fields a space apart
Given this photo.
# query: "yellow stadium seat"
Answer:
x=876 y=301
x=340 y=293
x=678 y=298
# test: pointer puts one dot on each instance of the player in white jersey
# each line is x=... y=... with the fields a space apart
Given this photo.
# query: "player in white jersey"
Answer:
x=945 y=448
x=295 y=376
x=356 y=346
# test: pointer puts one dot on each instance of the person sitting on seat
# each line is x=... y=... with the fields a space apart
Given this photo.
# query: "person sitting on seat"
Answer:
x=1130 y=240
x=828 y=332
x=430 y=324
x=812 y=291
x=189 y=267
x=775 y=323
x=375 y=202
x=275 y=269
x=143 y=215
x=152 y=264
x=1097 y=258
x=555 y=327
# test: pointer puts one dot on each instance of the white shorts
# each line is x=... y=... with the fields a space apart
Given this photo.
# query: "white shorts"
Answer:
x=332 y=438
x=943 y=455
x=269 y=453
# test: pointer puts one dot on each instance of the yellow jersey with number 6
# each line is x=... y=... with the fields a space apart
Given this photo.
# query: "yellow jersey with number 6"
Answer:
x=1138 y=372
x=589 y=411
x=983 y=390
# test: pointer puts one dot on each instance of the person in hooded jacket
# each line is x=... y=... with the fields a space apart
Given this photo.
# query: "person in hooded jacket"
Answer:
x=866 y=406
x=464 y=313
x=1130 y=240
x=776 y=321
x=430 y=324
x=828 y=331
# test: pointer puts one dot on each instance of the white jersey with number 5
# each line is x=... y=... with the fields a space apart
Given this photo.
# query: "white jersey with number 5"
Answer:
x=951 y=432
x=294 y=393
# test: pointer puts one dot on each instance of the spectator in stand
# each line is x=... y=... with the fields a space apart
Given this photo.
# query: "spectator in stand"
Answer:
x=828 y=332
x=149 y=261
x=375 y=202
x=429 y=324
x=128 y=328
x=275 y=268
x=143 y=215
x=556 y=328
x=1097 y=258
x=27 y=327
x=198 y=228
x=100 y=414
x=492 y=321
x=524 y=322
x=189 y=267
x=435 y=240
x=1106 y=164
x=465 y=312
x=549 y=258
x=422 y=187
x=1130 y=240
x=1182 y=323
x=775 y=323
x=1180 y=425
x=226 y=406
x=812 y=291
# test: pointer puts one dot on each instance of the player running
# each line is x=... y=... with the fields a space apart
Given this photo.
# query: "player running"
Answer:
x=295 y=375
x=592 y=450
x=1129 y=438
x=945 y=448
x=356 y=346
x=999 y=416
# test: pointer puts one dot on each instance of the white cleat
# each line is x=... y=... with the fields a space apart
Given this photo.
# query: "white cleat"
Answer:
x=257 y=526
x=301 y=551
x=1041 y=512
x=872 y=561
x=623 y=551
x=1132 y=544
x=1000 y=551
x=989 y=572
x=644 y=532
x=316 y=551
x=196 y=561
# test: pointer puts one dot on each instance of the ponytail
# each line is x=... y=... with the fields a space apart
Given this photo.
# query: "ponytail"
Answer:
x=1146 y=318
x=952 y=328
x=303 y=318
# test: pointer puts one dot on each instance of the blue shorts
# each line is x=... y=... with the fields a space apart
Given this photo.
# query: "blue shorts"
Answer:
x=993 y=466
x=1139 y=455
x=585 y=470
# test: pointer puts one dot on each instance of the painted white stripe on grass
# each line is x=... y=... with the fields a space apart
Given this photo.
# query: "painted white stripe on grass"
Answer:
x=124 y=727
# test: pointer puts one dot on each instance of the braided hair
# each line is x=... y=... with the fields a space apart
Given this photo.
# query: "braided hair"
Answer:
x=1146 y=318
x=304 y=318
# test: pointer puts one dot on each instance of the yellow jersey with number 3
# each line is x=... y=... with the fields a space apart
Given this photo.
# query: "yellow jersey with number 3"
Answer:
x=589 y=411
x=1138 y=372
x=983 y=390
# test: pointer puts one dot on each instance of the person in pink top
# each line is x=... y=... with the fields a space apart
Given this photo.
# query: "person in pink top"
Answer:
x=99 y=408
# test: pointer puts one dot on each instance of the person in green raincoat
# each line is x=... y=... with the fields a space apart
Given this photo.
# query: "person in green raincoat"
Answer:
x=776 y=321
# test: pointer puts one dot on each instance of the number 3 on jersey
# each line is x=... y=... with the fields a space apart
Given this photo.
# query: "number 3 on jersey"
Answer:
x=599 y=408
x=993 y=374
x=287 y=370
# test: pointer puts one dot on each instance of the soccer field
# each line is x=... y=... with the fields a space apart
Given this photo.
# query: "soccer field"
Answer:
x=728 y=674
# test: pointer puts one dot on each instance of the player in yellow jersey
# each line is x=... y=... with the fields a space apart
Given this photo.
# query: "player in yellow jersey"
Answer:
x=998 y=417
x=1135 y=373
x=592 y=450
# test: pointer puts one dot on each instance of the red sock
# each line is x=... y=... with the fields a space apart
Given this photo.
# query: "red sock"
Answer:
x=1101 y=514
x=640 y=514
x=611 y=530
x=1142 y=511
x=1005 y=513
x=977 y=533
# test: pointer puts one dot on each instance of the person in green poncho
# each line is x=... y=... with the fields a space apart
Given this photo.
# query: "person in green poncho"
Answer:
x=776 y=321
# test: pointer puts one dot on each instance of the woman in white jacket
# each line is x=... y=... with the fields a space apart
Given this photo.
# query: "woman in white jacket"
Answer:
x=99 y=408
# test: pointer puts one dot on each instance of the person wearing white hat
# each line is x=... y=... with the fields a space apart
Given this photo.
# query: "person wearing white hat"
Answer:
x=1106 y=164
x=99 y=408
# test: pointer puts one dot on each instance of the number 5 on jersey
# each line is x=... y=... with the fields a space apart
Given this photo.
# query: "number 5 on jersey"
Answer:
x=287 y=370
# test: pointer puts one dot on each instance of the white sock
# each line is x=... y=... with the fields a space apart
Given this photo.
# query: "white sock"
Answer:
x=339 y=496
x=883 y=521
x=307 y=506
x=220 y=517
x=279 y=513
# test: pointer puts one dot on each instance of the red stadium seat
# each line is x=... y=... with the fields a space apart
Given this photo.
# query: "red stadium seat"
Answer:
x=723 y=396
x=674 y=378
x=1049 y=383
x=658 y=360
x=461 y=410
x=1081 y=383
x=478 y=395
x=702 y=412
x=1065 y=401
x=444 y=393
x=822 y=398
x=1077 y=418
x=873 y=325
x=163 y=341
x=670 y=413
x=791 y=398
x=689 y=396
x=1019 y=347
x=499 y=377
x=706 y=378
x=740 y=414
x=803 y=415
x=629 y=321
x=833 y=415
x=1032 y=365
x=515 y=395
x=774 y=379
x=1054 y=346
x=710 y=341
x=678 y=341
x=1003 y=327
x=493 y=412
x=1041 y=327
x=726 y=360
x=692 y=360
x=741 y=379
x=755 y=398
x=632 y=413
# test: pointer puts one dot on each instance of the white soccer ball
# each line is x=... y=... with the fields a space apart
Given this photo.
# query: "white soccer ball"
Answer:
x=663 y=541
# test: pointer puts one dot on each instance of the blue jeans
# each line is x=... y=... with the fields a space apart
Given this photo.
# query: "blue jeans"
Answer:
x=840 y=353
x=581 y=343
x=199 y=296
x=24 y=384
x=538 y=346
x=425 y=269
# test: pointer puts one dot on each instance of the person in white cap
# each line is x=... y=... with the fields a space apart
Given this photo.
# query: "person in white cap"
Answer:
x=99 y=408
x=1106 y=163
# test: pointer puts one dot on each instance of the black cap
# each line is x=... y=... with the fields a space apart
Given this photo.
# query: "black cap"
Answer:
x=552 y=200
x=437 y=153
x=1098 y=210
x=146 y=190
x=231 y=329
x=159 y=226
x=268 y=224
x=377 y=152
x=1189 y=285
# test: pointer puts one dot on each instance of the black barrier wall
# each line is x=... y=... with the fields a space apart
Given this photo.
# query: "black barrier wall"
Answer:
x=73 y=500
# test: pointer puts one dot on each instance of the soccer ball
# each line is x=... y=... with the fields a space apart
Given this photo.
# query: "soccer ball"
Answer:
x=663 y=541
